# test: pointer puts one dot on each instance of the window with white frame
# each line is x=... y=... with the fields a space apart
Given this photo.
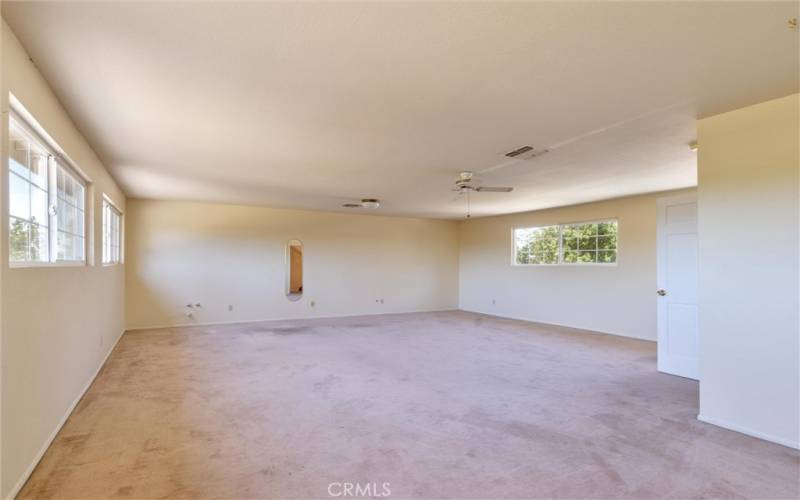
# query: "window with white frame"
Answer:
x=71 y=216
x=46 y=202
x=112 y=234
x=577 y=243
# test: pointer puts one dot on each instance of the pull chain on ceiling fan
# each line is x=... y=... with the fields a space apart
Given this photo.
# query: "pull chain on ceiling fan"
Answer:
x=464 y=186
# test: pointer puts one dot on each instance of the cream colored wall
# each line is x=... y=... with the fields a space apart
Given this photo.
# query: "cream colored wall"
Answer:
x=617 y=299
x=58 y=323
x=748 y=213
x=219 y=255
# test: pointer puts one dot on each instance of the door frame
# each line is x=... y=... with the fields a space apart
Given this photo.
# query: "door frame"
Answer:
x=661 y=271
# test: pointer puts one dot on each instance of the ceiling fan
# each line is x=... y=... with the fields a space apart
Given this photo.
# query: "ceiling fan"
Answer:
x=464 y=186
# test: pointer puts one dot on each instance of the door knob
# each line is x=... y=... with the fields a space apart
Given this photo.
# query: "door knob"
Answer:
x=661 y=292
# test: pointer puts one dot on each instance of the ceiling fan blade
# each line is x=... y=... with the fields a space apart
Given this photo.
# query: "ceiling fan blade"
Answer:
x=485 y=189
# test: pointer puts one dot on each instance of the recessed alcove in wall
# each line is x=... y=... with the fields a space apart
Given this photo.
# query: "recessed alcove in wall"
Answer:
x=294 y=269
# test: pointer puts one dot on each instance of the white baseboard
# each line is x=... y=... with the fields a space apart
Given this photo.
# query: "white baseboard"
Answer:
x=289 y=318
x=529 y=320
x=750 y=432
x=22 y=480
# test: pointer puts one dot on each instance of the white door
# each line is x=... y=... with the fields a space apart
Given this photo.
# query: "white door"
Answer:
x=677 y=286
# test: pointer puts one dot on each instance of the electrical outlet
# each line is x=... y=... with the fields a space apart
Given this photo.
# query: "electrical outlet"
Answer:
x=230 y=307
x=381 y=301
x=494 y=302
x=312 y=304
x=198 y=305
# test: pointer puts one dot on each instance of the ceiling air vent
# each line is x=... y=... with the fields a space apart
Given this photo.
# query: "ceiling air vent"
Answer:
x=526 y=153
x=517 y=152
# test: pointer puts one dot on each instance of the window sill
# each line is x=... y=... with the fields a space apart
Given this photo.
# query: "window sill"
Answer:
x=569 y=264
x=38 y=265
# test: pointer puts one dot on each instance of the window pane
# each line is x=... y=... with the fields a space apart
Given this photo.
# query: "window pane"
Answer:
x=570 y=231
x=80 y=244
x=587 y=256
x=71 y=218
x=79 y=195
x=608 y=256
x=39 y=168
x=70 y=247
x=588 y=243
x=607 y=228
x=549 y=256
x=570 y=243
x=38 y=250
x=80 y=219
x=537 y=245
x=68 y=194
x=18 y=240
x=570 y=256
x=19 y=202
x=61 y=245
x=39 y=206
x=18 y=156
x=607 y=242
x=111 y=234
x=587 y=230
x=70 y=223
x=60 y=182
x=522 y=245
x=69 y=189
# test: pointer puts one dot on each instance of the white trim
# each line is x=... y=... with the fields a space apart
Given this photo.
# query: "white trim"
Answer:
x=27 y=474
x=18 y=111
x=38 y=264
x=550 y=323
x=680 y=198
x=287 y=318
x=111 y=202
x=749 y=432
x=682 y=366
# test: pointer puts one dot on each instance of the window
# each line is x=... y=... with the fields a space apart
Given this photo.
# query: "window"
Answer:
x=579 y=243
x=46 y=202
x=28 y=200
x=70 y=216
x=112 y=231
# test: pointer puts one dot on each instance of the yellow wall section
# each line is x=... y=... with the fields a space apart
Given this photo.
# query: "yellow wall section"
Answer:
x=749 y=213
x=179 y=253
x=617 y=299
x=58 y=323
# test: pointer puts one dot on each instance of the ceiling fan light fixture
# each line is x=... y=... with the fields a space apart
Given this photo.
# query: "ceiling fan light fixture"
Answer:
x=370 y=203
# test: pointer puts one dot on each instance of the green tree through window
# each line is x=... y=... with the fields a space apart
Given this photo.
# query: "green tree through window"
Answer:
x=582 y=243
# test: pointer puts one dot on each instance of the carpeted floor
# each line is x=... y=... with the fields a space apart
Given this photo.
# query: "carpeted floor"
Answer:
x=437 y=405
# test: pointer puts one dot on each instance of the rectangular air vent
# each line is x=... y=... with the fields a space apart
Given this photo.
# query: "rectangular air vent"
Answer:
x=526 y=153
x=517 y=152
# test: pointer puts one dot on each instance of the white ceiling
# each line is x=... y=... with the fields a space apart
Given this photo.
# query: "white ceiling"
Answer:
x=311 y=105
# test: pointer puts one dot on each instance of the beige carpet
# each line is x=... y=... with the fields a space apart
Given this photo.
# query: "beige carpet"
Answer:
x=437 y=405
